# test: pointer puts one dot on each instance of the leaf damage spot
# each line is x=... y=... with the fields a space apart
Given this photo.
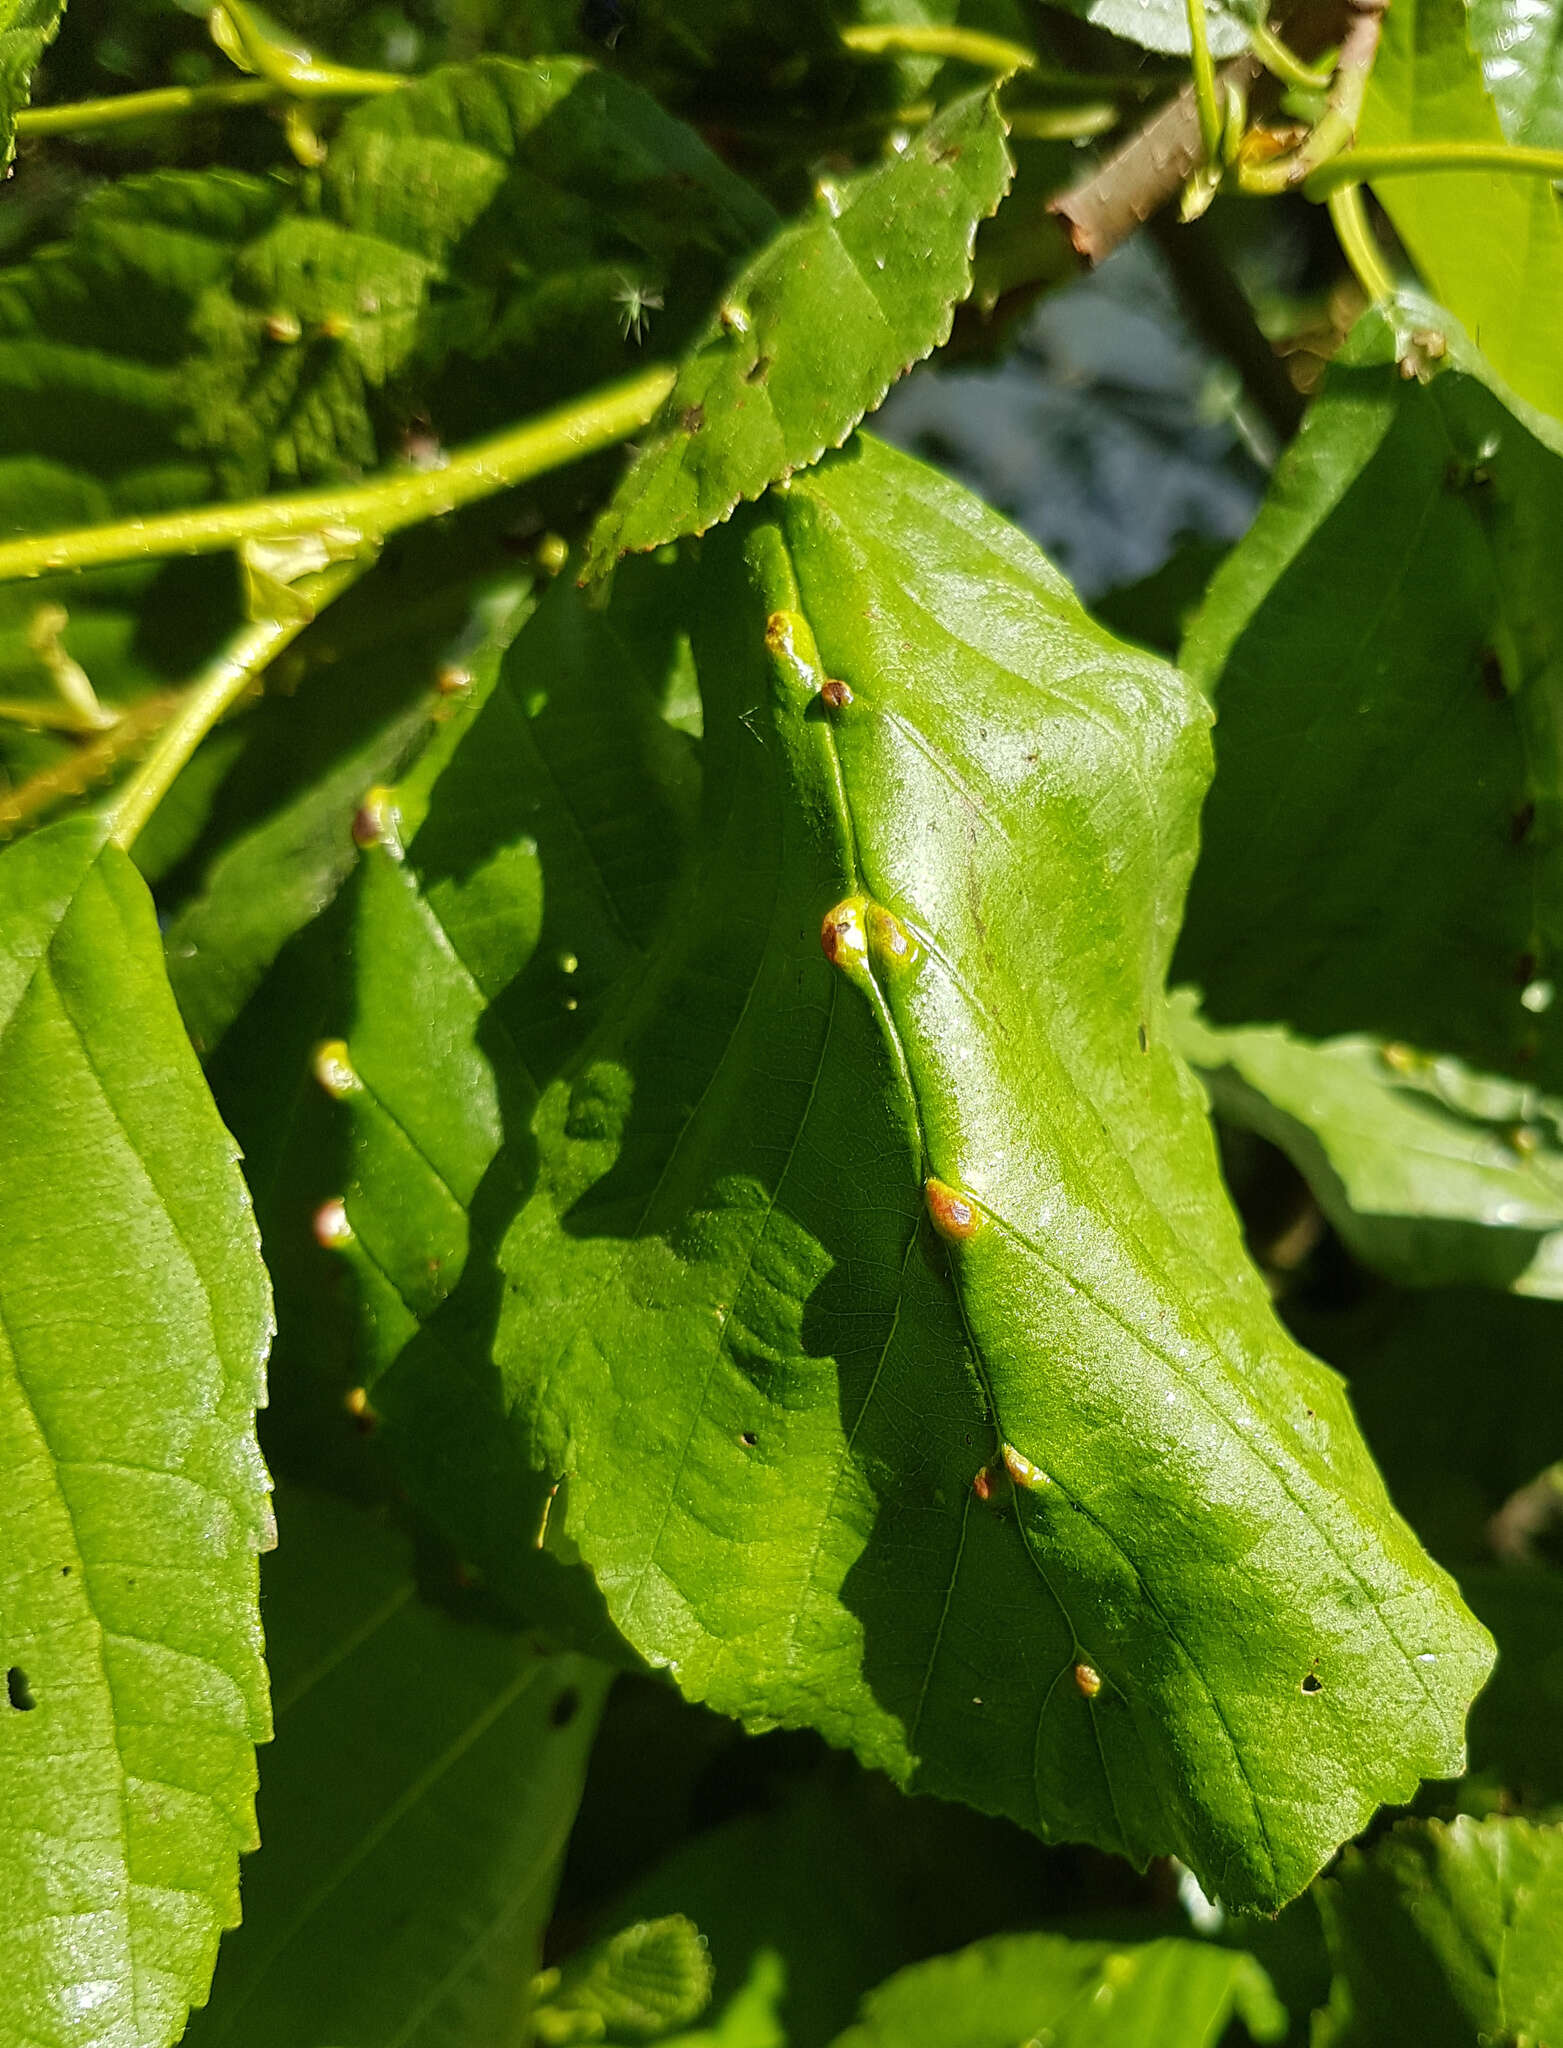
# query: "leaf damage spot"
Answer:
x=1022 y=1471
x=842 y=936
x=565 y=1708
x=1312 y=1683
x=18 y=1691
x=1088 y=1679
x=836 y=693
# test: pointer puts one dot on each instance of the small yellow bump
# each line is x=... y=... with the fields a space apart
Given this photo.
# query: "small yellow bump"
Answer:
x=333 y=1069
x=1524 y=1140
x=553 y=551
x=1022 y=1471
x=890 y=944
x=1089 y=1679
x=790 y=643
x=375 y=822
x=1400 y=1059
x=282 y=327
x=452 y=679
x=952 y=1214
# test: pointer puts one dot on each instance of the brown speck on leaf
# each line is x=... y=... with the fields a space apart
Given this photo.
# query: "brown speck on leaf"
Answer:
x=1145 y=1039
x=836 y=693
x=982 y=1485
x=693 y=419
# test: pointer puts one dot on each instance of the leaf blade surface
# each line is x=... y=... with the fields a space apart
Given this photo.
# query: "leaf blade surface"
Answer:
x=740 y=1339
x=136 y=1318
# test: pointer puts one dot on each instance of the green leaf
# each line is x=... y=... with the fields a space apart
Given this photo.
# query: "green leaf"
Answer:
x=814 y=332
x=640 y=1983
x=134 y=1320
x=1520 y=44
x=354 y=705
x=538 y=858
x=1071 y=1994
x=1431 y=1173
x=414 y=1808
x=492 y=239
x=27 y=27
x=1488 y=247
x=1382 y=850
x=1445 y=1935
x=1164 y=24
x=777 y=1396
x=1459 y=1397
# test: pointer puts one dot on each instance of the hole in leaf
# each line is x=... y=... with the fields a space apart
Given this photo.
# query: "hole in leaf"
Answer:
x=1145 y=1039
x=563 y=1710
x=18 y=1691
x=1313 y=1683
x=758 y=370
x=750 y=1438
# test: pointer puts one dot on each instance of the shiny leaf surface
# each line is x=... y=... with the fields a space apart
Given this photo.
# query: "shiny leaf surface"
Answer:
x=134 y=1319
x=1391 y=747
x=1432 y=1174
x=1445 y=1935
x=813 y=333
x=1488 y=246
x=1071 y=1994
x=1015 y=1486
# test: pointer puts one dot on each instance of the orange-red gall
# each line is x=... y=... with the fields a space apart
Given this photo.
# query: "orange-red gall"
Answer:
x=842 y=938
x=836 y=693
x=982 y=1485
x=950 y=1212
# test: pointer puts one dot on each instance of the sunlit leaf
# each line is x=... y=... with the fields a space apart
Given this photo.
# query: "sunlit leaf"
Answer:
x=134 y=1319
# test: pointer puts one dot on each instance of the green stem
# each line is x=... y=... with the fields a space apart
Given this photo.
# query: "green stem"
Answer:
x=359 y=514
x=293 y=70
x=1412 y=159
x=989 y=53
x=1062 y=124
x=966 y=45
x=248 y=654
x=128 y=107
x=1350 y=219
x=1206 y=98
x=1285 y=64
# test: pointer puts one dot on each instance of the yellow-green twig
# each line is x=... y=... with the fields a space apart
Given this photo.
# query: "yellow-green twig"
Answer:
x=1416 y=159
x=358 y=514
x=1350 y=219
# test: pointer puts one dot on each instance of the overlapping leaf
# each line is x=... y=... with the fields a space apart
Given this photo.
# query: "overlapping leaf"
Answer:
x=813 y=333
x=27 y=27
x=1520 y=44
x=1488 y=246
x=482 y=951
x=1071 y=1994
x=1431 y=1173
x=414 y=1807
x=1195 y=1623
x=1446 y=1935
x=1383 y=844
x=496 y=237
x=134 y=1320
x=1164 y=24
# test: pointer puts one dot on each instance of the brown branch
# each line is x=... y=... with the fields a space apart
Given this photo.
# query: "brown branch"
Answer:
x=1117 y=198
x=1136 y=181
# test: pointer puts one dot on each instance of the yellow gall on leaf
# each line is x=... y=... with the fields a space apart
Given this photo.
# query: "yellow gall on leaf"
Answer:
x=1089 y=1680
